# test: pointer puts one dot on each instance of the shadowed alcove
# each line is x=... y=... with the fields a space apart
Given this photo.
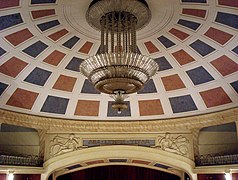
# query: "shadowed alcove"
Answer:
x=118 y=173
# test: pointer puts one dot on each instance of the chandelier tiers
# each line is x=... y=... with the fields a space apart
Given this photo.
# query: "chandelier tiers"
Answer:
x=118 y=69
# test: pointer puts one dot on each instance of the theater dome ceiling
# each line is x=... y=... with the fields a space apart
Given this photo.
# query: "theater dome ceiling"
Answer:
x=43 y=43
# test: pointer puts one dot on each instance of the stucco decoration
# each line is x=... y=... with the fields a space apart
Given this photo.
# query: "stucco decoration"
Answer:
x=174 y=143
x=180 y=143
x=60 y=144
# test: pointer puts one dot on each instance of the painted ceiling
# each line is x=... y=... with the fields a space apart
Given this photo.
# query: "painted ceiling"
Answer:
x=43 y=42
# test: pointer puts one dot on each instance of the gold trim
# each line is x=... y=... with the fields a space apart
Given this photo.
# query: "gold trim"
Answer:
x=69 y=125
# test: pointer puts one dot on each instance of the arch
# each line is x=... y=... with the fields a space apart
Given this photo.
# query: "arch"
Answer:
x=177 y=162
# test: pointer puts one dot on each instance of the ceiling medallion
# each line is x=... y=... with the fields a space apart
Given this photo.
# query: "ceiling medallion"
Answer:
x=118 y=69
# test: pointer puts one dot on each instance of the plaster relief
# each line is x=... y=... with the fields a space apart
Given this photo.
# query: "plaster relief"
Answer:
x=174 y=143
x=60 y=144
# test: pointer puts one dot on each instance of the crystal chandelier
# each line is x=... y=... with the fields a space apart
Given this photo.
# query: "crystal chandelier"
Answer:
x=118 y=69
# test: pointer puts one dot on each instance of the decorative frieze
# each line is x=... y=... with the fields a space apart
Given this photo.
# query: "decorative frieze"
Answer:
x=61 y=143
x=176 y=124
x=174 y=143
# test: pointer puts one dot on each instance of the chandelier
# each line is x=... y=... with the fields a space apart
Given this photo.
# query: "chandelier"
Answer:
x=117 y=69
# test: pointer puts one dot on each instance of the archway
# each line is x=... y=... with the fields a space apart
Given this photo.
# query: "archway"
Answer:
x=119 y=155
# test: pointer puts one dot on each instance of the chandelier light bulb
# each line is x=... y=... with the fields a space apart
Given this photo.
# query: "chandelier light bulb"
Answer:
x=228 y=176
x=10 y=176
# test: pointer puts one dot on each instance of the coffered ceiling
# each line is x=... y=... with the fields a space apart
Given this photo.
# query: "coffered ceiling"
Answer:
x=43 y=42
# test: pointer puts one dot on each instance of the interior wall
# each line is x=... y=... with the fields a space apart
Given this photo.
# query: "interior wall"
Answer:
x=220 y=139
x=17 y=140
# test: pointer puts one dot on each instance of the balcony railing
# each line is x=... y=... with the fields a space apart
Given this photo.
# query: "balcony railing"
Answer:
x=21 y=160
x=207 y=160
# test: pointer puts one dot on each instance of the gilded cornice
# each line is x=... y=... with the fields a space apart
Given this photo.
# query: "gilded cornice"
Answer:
x=67 y=125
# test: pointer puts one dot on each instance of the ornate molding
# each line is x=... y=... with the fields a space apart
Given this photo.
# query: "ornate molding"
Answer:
x=67 y=125
x=121 y=151
x=61 y=145
x=195 y=134
x=174 y=143
x=42 y=137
